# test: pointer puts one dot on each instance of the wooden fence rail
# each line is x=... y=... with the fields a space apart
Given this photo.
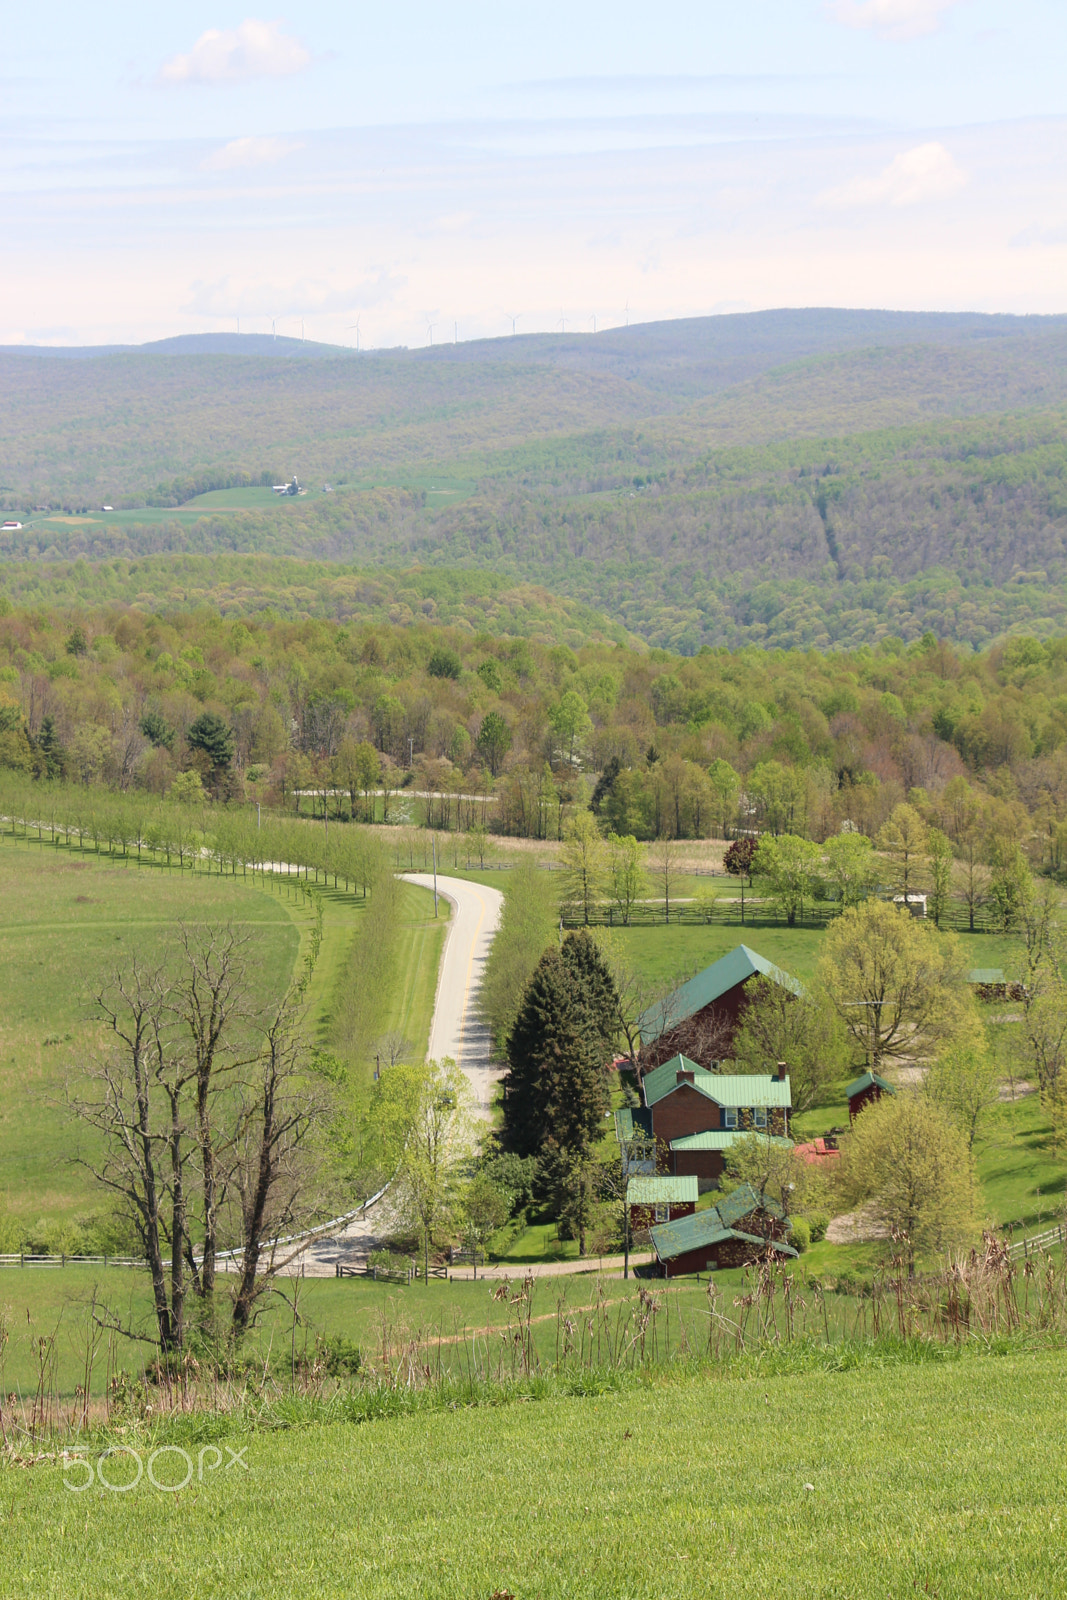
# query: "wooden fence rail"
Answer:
x=24 y=1260
x=1037 y=1243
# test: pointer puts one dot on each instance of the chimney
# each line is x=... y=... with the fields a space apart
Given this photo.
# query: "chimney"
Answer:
x=783 y=1072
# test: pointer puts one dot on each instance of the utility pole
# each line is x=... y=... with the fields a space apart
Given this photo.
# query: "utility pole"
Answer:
x=259 y=819
x=411 y=749
x=434 y=837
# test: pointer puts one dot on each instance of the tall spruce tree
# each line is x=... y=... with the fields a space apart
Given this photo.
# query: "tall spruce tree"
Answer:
x=555 y=1091
x=595 y=989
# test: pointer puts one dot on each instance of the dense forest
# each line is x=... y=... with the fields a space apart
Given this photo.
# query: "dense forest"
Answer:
x=518 y=735
x=807 y=479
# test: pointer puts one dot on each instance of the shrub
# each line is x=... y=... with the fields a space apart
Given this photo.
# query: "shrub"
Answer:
x=818 y=1222
x=799 y=1234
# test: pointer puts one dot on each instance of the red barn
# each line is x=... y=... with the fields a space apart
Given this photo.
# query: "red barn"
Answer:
x=700 y=1019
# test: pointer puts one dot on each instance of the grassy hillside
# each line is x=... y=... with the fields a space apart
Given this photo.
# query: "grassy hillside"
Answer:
x=803 y=478
x=938 y=1478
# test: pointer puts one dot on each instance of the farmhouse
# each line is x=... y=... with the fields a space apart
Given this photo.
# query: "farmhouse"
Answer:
x=662 y=1199
x=741 y=1227
x=864 y=1090
x=684 y=1098
x=701 y=1018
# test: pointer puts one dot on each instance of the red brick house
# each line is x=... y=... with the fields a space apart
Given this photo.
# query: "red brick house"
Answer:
x=699 y=1020
x=660 y=1199
x=738 y=1230
x=683 y=1098
x=864 y=1091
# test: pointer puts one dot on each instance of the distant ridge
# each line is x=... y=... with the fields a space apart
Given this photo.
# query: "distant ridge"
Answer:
x=685 y=355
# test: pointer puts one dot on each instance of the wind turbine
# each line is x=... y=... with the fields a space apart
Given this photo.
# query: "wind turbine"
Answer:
x=431 y=326
x=302 y=330
x=355 y=325
x=455 y=333
x=594 y=321
x=273 y=329
x=513 y=319
x=562 y=321
x=627 y=311
x=238 y=326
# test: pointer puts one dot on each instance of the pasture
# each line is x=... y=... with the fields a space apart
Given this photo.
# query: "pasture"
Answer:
x=900 y=1474
x=70 y=918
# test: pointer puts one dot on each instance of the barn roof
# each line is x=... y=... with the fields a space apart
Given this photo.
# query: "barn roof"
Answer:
x=644 y=1191
x=709 y=1227
x=986 y=975
x=704 y=1228
x=724 y=1088
x=722 y=1139
x=868 y=1080
x=709 y=986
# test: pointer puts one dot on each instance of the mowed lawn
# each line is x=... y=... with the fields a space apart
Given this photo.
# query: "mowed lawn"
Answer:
x=67 y=921
x=944 y=1479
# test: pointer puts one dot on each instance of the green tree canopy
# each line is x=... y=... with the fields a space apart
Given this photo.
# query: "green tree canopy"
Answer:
x=555 y=1092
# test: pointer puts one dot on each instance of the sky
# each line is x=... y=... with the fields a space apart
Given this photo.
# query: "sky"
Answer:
x=434 y=173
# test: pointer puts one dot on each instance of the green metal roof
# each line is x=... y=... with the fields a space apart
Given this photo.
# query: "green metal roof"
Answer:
x=709 y=986
x=734 y=1089
x=717 y=1223
x=986 y=975
x=732 y=1207
x=661 y=1191
x=724 y=1139
x=868 y=1080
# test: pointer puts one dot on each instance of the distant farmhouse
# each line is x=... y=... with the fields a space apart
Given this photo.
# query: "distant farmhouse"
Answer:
x=737 y=1230
x=699 y=1020
x=696 y=1116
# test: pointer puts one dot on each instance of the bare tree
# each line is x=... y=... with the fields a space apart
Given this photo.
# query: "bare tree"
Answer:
x=273 y=1164
x=138 y=1108
x=211 y=1006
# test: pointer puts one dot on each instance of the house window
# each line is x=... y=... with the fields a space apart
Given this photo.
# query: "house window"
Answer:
x=663 y=1211
x=729 y=1117
x=759 y=1116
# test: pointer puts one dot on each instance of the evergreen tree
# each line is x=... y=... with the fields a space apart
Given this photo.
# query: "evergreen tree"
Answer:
x=211 y=734
x=555 y=1093
x=50 y=748
x=595 y=989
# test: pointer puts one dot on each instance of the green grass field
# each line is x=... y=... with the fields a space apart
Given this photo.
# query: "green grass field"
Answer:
x=942 y=1477
x=68 y=918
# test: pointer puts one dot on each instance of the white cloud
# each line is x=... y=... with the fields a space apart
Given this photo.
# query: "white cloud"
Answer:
x=892 y=19
x=249 y=152
x=235 y=55
x=929 y=172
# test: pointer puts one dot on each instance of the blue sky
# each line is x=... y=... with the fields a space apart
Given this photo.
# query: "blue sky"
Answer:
x=174 y=168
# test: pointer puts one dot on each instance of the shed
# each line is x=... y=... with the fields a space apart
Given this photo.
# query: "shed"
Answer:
x=864 y=1090
x=660 y=1199
x=701 y=1017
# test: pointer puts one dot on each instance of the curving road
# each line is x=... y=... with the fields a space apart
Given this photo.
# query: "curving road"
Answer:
x=457 y=1029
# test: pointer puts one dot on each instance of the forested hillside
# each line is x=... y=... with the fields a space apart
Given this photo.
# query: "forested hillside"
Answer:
x=523 y=733
x=795 y=478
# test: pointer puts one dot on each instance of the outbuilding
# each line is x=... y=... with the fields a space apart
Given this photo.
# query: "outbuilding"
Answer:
x=660 y=1199
x=864 y=1091
x=741 y=1228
